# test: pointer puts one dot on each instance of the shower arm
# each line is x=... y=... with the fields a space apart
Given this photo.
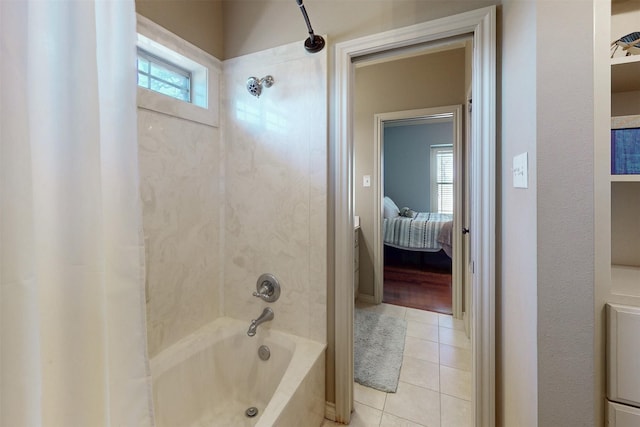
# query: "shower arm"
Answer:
x=313 y=43
x=306 y=19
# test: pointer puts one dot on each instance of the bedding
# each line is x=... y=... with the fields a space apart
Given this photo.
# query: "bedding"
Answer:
x=425 y=231
x=390 y=208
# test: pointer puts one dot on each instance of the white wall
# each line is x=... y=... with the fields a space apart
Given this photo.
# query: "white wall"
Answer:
x=275 y=151
x=565 y=210
x=516 y=299
x=546 y=304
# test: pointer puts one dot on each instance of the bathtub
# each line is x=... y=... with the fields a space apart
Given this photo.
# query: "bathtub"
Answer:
x=211 y=377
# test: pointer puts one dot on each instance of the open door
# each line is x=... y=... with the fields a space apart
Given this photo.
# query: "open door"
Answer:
x=466 y=264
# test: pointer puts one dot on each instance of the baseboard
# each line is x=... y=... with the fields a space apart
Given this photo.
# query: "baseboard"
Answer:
x=369 y=299
x=330 y=411
x=466 y=321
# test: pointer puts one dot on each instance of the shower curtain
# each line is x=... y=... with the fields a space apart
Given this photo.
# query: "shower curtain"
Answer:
x=72 y=319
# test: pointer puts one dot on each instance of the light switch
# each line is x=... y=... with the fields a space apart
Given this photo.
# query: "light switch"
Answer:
x=366 y=181
x=520 y=171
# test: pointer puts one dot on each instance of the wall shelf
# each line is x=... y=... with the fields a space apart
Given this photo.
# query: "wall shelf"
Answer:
x=625 y=74
x=625 y=279
x=625 y=189
x=625 y=178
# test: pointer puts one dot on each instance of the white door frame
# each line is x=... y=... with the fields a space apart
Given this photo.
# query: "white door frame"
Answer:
x=454 y=113
x=481 y=24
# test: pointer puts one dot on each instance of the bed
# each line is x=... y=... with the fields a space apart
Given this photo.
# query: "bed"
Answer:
x=416 y=231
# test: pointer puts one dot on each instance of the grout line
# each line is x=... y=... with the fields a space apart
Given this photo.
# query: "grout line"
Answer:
x=439 y=380
x=440 y=365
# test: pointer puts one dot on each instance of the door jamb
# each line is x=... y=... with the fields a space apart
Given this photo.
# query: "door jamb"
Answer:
x=482 y=24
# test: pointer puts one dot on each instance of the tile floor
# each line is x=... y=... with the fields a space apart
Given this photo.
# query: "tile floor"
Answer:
x=435 y=378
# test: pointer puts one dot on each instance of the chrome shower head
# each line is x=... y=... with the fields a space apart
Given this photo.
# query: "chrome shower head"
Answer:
x=255 y=85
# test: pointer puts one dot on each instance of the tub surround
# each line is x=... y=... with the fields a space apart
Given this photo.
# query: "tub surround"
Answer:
x=275 y=155
x=221 y=206
x=179 y=169
x=179 y=162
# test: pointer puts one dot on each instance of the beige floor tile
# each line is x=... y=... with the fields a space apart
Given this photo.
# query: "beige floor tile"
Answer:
x=422 y=316
x=389 y=420
x=329 y=423
x=421 y=373
x=435 y=379
x=414 y=403
x=421 y=349
x=455 y=357
x=365 y=416
x=369 y=396
x=454 y=337
x=447 y=321
x=455 y=412
x=422 y=330
x=455 y=382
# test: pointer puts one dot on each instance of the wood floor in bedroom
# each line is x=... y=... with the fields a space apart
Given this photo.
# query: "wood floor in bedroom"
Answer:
x=418 y=287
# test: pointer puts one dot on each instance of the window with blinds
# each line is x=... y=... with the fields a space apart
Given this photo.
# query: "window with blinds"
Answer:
x=442 y=178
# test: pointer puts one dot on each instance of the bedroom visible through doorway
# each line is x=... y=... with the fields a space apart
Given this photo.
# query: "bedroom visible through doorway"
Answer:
x=417 y=182
x=414 y=245
x=408 y=152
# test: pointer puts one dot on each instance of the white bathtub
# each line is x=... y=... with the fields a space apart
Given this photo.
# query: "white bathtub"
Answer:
x=213 y=376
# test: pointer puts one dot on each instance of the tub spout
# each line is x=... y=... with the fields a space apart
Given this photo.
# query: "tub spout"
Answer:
x=267 y=314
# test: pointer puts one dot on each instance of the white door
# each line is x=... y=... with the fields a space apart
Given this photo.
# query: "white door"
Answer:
x=467 y=263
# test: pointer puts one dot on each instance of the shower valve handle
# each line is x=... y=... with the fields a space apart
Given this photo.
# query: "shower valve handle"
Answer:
x=267 y=288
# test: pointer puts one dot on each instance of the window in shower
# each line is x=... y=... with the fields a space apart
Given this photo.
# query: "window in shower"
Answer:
x=165 y=71
x=175 y=77
x=161 y=76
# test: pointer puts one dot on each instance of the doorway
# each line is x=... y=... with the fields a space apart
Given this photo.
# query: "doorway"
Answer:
x=421 y=165
x=481 y=24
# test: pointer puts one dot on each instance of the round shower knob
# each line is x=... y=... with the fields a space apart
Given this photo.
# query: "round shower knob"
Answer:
x=267 y=288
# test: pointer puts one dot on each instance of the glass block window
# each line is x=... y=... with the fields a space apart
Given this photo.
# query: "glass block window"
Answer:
x=163 y=77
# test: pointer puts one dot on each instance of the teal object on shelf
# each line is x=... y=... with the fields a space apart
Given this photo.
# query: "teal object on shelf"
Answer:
x=625 y=151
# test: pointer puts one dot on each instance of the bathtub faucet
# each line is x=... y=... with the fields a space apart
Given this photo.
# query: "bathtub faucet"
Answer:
x=267 y=314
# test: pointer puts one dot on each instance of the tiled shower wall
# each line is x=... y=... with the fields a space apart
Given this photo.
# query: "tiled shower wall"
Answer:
x=180 y=175
x=276 y=187
x=222 y=205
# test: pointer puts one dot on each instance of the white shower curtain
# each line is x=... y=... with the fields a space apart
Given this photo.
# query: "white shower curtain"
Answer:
x=72 y=319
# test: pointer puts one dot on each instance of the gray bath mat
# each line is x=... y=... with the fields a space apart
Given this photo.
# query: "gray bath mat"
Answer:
x=378 y=349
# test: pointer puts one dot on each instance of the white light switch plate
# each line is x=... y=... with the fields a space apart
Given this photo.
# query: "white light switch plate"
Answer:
x=520 y=171
x=366 y=181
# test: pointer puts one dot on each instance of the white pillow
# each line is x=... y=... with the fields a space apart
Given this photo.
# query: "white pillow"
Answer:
x=390 y=208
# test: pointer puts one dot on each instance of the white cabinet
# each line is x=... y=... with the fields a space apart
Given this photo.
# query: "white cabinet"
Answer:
x=622 y=415
x=623 y=350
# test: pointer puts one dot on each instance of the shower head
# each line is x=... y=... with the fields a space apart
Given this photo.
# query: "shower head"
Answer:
x=314 y=43
x=255 y=85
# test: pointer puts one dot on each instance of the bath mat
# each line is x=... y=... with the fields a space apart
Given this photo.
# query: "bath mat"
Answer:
x=378 y=349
